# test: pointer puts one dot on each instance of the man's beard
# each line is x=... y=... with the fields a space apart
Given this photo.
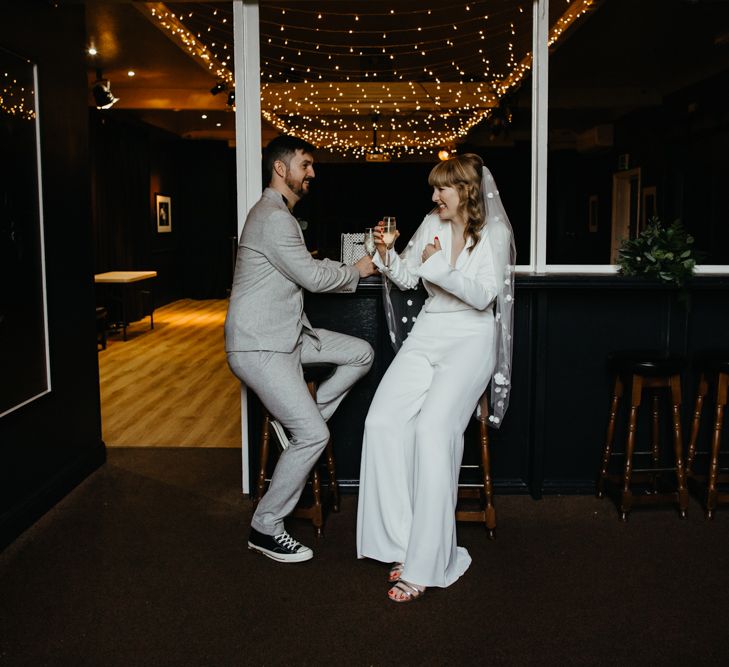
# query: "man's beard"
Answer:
x=297 y=187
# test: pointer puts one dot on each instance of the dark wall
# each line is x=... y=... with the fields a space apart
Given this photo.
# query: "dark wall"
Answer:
x=49 y=445
x=131 y=163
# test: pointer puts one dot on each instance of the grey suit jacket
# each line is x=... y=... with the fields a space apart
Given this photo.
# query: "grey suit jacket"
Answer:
x=266 y=310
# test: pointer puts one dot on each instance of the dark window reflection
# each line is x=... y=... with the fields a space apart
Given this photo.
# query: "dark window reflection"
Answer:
x=638 y=127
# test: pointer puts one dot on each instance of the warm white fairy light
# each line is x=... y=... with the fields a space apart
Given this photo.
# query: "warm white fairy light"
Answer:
x=315 y=84
x=15 y=99
x=194 y=45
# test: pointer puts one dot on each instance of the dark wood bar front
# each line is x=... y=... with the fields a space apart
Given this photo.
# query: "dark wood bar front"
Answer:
x=565 y=326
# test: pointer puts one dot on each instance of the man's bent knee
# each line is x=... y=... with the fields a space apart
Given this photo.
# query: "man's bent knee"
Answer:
x=316 y=438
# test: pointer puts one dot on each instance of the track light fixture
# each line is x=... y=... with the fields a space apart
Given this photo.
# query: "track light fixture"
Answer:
x=101 y=90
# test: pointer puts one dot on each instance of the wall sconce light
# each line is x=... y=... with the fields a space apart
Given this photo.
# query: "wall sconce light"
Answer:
x=101 y=90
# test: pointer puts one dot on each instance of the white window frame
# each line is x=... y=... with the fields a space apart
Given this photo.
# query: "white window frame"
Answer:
x=247 y=55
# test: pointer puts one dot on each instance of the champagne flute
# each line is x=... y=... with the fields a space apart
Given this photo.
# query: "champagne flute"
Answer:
x=389 y=234
x=369 y=241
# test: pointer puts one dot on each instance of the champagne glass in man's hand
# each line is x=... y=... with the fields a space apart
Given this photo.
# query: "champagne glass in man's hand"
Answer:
x=369 y=241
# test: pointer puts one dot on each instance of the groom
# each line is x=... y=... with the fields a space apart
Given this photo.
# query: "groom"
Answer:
x=268 y=337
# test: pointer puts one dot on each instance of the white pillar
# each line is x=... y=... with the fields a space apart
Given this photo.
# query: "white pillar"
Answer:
x=246 y=50
x=540 y=129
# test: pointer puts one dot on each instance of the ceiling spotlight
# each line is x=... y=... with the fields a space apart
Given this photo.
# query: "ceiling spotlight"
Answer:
x=101 y=91
x=219 y=87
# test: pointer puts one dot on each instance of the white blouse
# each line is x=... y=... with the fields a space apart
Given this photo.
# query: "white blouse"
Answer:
x=470 y=284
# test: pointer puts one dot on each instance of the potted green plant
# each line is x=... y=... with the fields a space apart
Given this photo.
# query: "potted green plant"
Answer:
x=665 y=253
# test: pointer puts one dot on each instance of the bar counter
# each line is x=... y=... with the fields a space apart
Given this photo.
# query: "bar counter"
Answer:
x=565 y=325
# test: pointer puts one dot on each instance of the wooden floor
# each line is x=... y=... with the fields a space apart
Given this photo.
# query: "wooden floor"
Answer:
x=171 y=386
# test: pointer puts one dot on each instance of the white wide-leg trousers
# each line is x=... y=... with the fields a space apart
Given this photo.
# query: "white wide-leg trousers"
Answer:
x=413 y=445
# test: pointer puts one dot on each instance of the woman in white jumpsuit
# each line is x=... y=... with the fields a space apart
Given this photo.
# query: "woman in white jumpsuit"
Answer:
x=413 y=439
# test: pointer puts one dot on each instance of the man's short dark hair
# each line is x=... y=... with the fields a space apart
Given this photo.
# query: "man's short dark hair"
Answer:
x=283 y=148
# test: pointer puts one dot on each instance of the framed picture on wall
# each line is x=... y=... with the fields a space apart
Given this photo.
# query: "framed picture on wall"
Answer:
x=163 y=205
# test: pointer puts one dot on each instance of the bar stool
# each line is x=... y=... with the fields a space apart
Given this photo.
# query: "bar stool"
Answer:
x=644 y=371
x=713 y=370
x=101 y=327
x=483 y=493
x=314 y=375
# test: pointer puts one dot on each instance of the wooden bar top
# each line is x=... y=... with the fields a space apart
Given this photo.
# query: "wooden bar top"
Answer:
x=123 y=276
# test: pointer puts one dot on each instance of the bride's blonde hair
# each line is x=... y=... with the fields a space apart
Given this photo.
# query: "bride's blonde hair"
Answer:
x=463 y=172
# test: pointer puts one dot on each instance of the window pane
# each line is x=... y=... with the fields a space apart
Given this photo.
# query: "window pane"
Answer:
x=381 y=90
x=638 y=128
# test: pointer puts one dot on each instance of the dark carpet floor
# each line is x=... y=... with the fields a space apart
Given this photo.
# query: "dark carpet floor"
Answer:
x=146 y=564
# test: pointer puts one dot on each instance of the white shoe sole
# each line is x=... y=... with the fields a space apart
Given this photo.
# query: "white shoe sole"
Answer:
x=280 y=434
x=281 y=558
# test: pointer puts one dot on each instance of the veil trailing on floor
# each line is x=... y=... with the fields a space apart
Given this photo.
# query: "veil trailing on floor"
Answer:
x=400 y=310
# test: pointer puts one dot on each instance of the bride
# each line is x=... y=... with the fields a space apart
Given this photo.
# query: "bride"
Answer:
x=413 y=441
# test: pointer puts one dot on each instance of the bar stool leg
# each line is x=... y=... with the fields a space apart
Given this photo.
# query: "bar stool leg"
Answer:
x=317 y=513
x=701 y=392
x=655 y=437
x=721 y=400
x=610 y=436
x=678 y=446
x=331 y=469
x=626 y=498
x=317 y=516
x=265 y=439
x=488 y=486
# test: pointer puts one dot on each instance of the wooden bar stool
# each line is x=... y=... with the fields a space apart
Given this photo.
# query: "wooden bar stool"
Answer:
x=714 y=374
x=483 y=493
x=101 y=327
x=314 y=375
x=652 y=372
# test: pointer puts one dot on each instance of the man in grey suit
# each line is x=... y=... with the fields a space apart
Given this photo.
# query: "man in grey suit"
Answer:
x=268 y=337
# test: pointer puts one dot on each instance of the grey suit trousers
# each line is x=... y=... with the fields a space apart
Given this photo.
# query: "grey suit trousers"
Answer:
x=278 y=380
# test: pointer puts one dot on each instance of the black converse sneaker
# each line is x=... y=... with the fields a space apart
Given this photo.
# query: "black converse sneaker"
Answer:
x=282 y=548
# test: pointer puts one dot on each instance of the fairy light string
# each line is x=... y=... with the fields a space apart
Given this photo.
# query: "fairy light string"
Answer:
x=429 y=73
x=15 y=99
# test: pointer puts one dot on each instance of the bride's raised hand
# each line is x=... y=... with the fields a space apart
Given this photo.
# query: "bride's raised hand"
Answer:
x=431 y=249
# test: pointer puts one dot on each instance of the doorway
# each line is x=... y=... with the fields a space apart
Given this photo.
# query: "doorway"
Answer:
x=166 y=137
x=626 y=209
